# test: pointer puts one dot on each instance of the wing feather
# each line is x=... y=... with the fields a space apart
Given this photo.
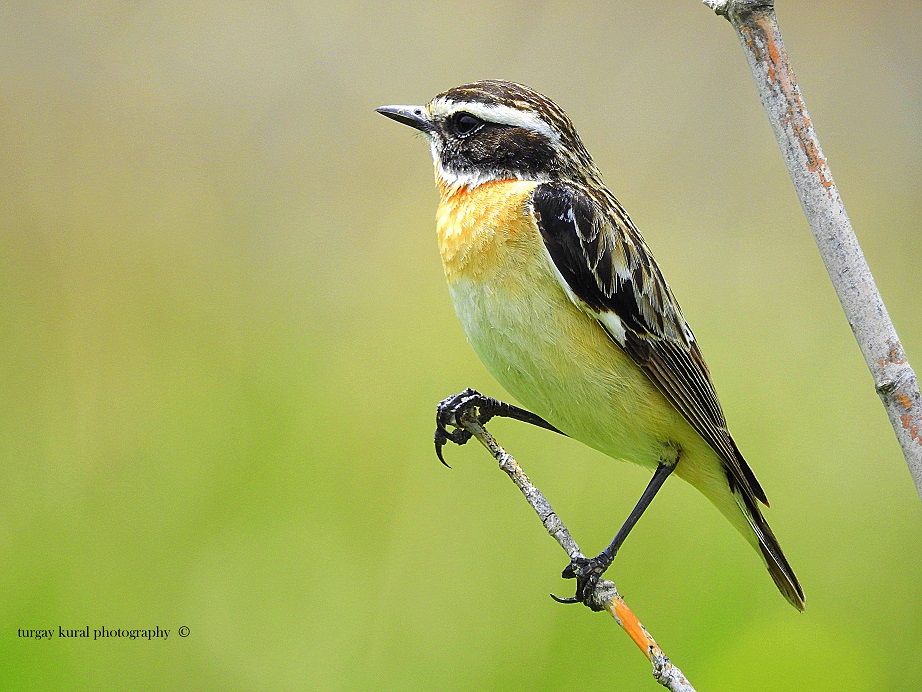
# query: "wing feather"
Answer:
x=609 y=272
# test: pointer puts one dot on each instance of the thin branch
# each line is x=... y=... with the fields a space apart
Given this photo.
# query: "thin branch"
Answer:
x=606 y=595
x=894 y=380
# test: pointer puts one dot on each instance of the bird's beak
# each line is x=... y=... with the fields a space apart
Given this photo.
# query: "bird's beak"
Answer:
x=414 y=116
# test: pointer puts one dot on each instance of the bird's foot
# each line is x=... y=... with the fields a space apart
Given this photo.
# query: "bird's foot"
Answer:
x=587 y=572
x=449 y=412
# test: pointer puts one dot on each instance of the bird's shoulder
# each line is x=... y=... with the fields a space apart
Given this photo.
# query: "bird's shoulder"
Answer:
x=604 y=260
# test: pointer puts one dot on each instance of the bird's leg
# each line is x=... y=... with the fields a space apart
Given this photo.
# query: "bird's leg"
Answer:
x=588 y=571
x=449 y=411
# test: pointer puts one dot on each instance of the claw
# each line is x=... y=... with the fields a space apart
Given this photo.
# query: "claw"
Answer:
x=441 y=437
x=587 y=573
x=447 y=414
x=571 y=599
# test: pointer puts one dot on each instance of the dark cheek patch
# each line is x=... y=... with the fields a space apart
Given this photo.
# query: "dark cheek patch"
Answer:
x=503 y=150
x=524 y=151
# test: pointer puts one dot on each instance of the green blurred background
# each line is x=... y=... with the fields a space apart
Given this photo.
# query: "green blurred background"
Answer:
x=224 y=330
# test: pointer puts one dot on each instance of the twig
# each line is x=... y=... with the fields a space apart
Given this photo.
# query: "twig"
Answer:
x=606 y=595
x=895 y=381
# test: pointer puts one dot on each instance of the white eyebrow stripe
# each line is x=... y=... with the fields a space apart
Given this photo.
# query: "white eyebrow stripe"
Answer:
x=495 y=113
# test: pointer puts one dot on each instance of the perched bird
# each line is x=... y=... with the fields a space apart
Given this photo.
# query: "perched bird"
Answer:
x=562 y=300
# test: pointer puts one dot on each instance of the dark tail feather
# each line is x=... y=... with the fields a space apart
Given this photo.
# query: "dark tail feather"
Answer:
x=778 y=566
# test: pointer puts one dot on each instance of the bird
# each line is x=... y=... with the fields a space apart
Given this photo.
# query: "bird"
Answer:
x=562 y=300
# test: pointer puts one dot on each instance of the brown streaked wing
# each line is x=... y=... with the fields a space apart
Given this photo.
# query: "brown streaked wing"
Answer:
x=609 y=270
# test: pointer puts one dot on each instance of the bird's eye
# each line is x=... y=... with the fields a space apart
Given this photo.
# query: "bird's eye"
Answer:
x=465 y=123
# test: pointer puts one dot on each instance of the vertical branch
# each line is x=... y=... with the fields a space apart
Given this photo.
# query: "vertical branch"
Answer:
x=894 y=380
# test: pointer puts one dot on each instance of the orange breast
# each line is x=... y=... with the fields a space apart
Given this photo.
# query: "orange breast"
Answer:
x=483 y=229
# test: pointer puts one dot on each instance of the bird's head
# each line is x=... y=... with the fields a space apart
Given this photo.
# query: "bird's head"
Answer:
x=496 y=130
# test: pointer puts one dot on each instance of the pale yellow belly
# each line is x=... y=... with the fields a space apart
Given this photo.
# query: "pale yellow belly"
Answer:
x=559 y=363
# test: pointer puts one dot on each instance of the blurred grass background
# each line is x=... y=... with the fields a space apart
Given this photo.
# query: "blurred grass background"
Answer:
x=224 y=330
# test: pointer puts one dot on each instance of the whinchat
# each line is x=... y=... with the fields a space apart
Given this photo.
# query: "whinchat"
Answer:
x=562 y=300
